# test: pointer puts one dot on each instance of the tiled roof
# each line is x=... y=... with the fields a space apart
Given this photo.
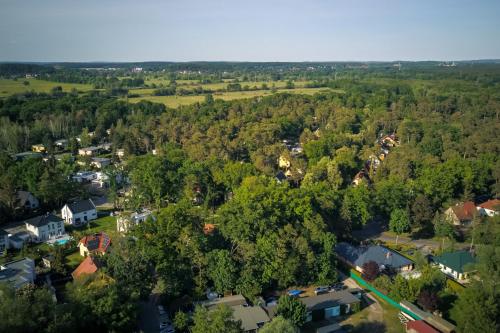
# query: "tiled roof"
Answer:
x=81 y=206
x=379 y=254
x=87 y=266
x=39 y=221
x=455 y=260
x=493 y=204
x=420 y=326
x=97 y=242
x=465 y=210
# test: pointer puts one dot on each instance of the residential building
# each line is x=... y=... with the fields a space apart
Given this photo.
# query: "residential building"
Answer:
x=84 y=176
x=39 y=148
x=45 y=227
x=455 y=264
x=461 y=214
x=120 y=153
x=489 y=208
x=18 y=273
x=233 y=300
x=329 y=305
x=88 y=266
x=106 y=146
x=89 y=151
x=97 y=243
x=61 y=143
x=357 y=256
x=252 y=317
x=48 y=260
x=100 y=162
x=284 y=162
x=419 y=326
x=127 y=221
x=360 y=177
x=26 y=200
x=79 y=213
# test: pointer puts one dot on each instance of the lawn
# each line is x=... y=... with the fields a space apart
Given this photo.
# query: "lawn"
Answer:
x=10 y=87
x=175 y=101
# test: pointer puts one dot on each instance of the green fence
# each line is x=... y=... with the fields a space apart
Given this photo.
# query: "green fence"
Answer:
x=386 y=298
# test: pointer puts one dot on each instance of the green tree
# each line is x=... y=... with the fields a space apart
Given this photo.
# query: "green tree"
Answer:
x=356 y=210
x=181 y=321
x=291 y=308
x=442 y=228
x=279 y=325
x=399 y=222
x=218 y=320
x=222 y=270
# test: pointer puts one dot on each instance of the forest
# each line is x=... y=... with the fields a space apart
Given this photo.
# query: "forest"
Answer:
x=216 y=164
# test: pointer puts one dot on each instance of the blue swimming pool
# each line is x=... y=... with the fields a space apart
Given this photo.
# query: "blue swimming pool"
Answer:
x=61 y=241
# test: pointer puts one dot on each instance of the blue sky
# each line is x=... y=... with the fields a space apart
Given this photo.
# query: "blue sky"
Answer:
x=252 y=30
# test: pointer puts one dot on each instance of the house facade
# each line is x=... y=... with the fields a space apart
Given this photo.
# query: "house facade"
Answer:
x=329 y=305
x=79 y=213
x=100 y=162
x=461 y=214
x=26 y=200
x=455 y=264
x=45 y=227
x=89 y=151
x=489 y=208
x=125 y=223
x=97 y=243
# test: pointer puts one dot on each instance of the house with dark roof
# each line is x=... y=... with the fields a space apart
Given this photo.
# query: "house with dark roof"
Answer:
x=357 y=256
x=232 y=300
x=88 y=266
x=18 y=273
x=455 y=264
x=79 y=213
x=26 y=200
x=45 y=227
x=329 y=305
x=489 y=208
x=252 y=317
x=97 y=243
x=461 y=214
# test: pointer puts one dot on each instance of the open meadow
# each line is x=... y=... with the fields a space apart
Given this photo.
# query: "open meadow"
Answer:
x=10 y=87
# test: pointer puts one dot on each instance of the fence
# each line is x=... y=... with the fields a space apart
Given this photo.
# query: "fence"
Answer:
x=386 y=298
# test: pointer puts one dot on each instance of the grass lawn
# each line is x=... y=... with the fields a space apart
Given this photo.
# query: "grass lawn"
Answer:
x=10 y=87
x=175 y=101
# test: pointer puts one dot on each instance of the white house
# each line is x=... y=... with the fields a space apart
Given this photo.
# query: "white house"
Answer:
x=100 y=162
x=79 y=213
x=84 y=176
x=45 y=227
x=89 y=151
x=124 y=223
x=489 y=208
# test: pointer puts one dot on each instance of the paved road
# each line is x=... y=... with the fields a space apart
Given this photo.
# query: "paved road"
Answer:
x=377 y=230
x=149 y=321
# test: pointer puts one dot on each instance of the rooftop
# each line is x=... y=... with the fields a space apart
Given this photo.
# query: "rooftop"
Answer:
x=228 y=300
x=379 y=254
x=493 y=204
x=455 y=260
x=18 y=272
x=81 y=206
x=252 y=317
x=464 y=210
x=41 y=220
x=97 y=242
x=328 y=300
x=87 y=266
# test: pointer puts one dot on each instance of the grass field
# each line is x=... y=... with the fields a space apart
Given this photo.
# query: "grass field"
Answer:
x=10 y=87
x=175 y=101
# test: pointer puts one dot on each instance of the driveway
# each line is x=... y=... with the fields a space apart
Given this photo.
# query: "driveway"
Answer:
x=149 y=321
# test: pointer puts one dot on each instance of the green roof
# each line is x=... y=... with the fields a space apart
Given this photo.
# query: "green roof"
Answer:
x=455 y=260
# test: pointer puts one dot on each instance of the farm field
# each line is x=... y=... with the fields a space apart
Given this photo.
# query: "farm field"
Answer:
x=175 y=101
x=10 y=87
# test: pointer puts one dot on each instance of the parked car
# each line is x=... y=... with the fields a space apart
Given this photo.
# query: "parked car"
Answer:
x=271 y=301
x=294 y=292
x=321 y=290
x=337 y=287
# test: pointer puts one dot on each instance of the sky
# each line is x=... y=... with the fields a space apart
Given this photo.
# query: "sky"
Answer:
x=251 y=30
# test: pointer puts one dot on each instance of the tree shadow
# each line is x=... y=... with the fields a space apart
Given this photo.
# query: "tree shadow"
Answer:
x=366 y=326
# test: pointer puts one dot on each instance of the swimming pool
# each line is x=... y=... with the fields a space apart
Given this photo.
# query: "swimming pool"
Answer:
x=61 y=241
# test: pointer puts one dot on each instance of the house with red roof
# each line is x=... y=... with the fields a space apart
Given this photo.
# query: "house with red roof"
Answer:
x=96 y=244
x=462 y=213
x=87 y=266
x=419 y=326
x=489 y=208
